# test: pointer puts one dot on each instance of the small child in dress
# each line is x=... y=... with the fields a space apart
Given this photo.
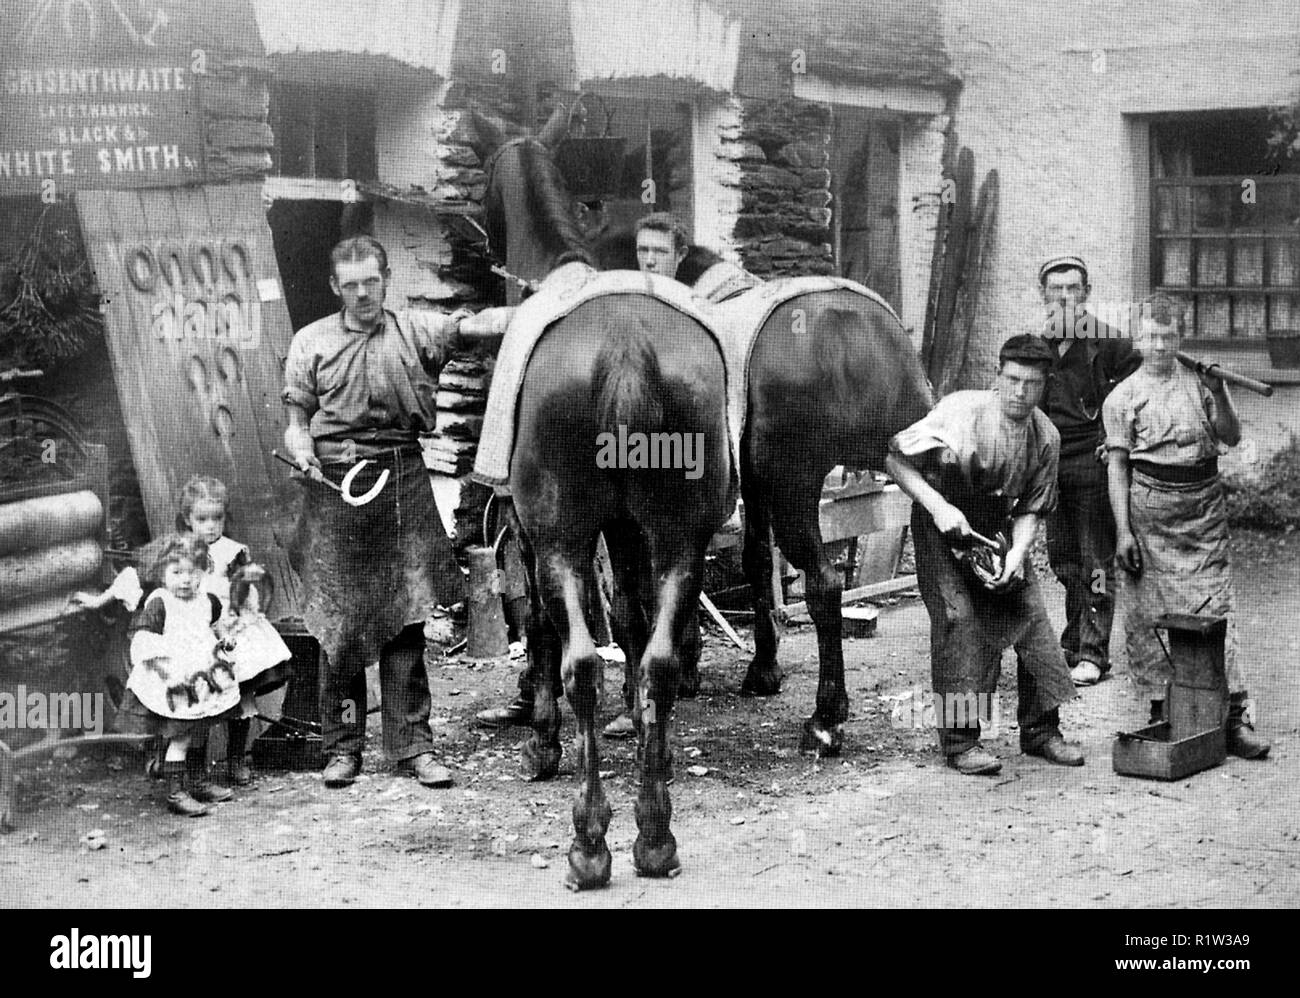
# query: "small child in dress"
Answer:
x=182 y=678
x=260 y=656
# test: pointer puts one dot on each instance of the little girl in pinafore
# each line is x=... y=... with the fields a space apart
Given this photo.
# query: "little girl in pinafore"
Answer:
x=259 y=656
x=182 y=678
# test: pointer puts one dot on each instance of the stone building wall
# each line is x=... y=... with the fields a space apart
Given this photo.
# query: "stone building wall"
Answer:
x=1058 y=105
x=782 y=227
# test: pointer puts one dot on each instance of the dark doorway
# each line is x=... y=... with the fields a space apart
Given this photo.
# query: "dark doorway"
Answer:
x=304 y=233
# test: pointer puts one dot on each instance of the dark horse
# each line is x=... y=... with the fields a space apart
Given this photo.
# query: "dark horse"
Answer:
x=832 y=376
x=621 y=360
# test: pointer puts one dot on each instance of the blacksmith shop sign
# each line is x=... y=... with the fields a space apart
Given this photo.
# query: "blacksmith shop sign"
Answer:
x=97 y=94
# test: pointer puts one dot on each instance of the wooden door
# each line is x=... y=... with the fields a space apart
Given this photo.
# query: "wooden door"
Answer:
x=198 y=333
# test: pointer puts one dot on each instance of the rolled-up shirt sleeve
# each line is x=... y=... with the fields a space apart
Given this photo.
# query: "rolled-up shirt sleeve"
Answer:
x=300 y=377
x=434 y=335
x=937 y=430
x=1117 y=416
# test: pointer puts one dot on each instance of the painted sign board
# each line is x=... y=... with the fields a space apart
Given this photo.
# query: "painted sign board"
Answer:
x=98 y=94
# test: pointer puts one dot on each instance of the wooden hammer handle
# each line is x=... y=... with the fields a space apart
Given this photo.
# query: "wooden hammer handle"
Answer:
x=1231 y=377
x=284 y=460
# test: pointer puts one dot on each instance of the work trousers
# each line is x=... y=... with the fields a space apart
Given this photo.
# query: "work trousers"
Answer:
x=1081 y=548
x=970 y=627
x=404 y=689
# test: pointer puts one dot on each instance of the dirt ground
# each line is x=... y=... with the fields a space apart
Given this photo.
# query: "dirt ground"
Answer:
x=885 y=825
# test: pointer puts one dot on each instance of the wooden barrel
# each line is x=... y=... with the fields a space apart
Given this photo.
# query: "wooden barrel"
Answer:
x=34 y=524
x=60 y=566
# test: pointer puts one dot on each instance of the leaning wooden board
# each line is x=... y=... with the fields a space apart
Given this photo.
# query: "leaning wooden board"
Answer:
x=978 y=257
x=198 y=332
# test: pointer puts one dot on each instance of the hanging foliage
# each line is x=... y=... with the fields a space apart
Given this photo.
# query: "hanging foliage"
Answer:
x=49 y=304
x=1284 y=134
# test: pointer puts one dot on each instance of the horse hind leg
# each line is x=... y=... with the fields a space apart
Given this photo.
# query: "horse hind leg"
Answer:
x=764 y=675
x=627 y=555
x=655 y=851
x=540 y=753
x=799 y=534
x=580 y=666
x=688 y=684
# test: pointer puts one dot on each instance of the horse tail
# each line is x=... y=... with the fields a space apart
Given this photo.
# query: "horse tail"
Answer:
x=627 y=385
x=834 y=353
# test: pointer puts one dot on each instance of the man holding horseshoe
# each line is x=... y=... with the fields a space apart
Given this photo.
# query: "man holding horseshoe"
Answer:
x=360 y=385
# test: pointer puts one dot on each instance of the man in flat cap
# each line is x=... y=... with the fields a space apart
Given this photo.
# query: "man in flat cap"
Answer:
x=982 y=465
x=1089 y=358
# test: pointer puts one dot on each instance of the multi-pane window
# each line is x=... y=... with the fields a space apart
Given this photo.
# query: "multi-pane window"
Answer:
x=1225 y=235
x=324 y=133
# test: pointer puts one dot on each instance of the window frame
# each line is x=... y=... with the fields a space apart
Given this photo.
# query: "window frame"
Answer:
x=1160 y=194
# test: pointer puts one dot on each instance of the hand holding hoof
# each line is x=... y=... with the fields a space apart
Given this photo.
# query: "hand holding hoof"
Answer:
x=656 y=861
x=588 y=870
x=762 y=680
x=824 y=742
x=539 y=762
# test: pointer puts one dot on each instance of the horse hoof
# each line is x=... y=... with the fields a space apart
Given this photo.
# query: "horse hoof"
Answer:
x=588 y=871
x=763 y=684
x=821 y=741
x=539 y=763
x=656 y=861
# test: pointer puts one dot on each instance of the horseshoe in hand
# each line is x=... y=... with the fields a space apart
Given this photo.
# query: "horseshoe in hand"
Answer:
x=353 y=500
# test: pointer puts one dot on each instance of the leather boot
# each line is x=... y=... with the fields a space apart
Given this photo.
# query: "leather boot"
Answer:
x=1043 y=739
x=196 y=777
x=238 y=772
x=1242 y=741
x=178 y=799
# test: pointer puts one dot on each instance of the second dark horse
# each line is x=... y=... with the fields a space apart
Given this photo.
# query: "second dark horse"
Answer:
x=832 y=376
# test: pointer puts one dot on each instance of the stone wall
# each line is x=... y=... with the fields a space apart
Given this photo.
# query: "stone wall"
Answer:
x=783 y=225
x=235 y=101
x=1058 y=106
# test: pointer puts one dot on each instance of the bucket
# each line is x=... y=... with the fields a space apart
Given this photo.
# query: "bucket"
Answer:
x=592 y=165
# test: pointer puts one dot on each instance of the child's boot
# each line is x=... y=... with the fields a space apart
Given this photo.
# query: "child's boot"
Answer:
x=1242 y=741
x=196 y=765
x=238 y=772
x=178 y=799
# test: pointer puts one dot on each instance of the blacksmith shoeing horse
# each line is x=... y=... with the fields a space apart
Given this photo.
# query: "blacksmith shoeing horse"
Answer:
x=829 y=377
x=600 y=377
